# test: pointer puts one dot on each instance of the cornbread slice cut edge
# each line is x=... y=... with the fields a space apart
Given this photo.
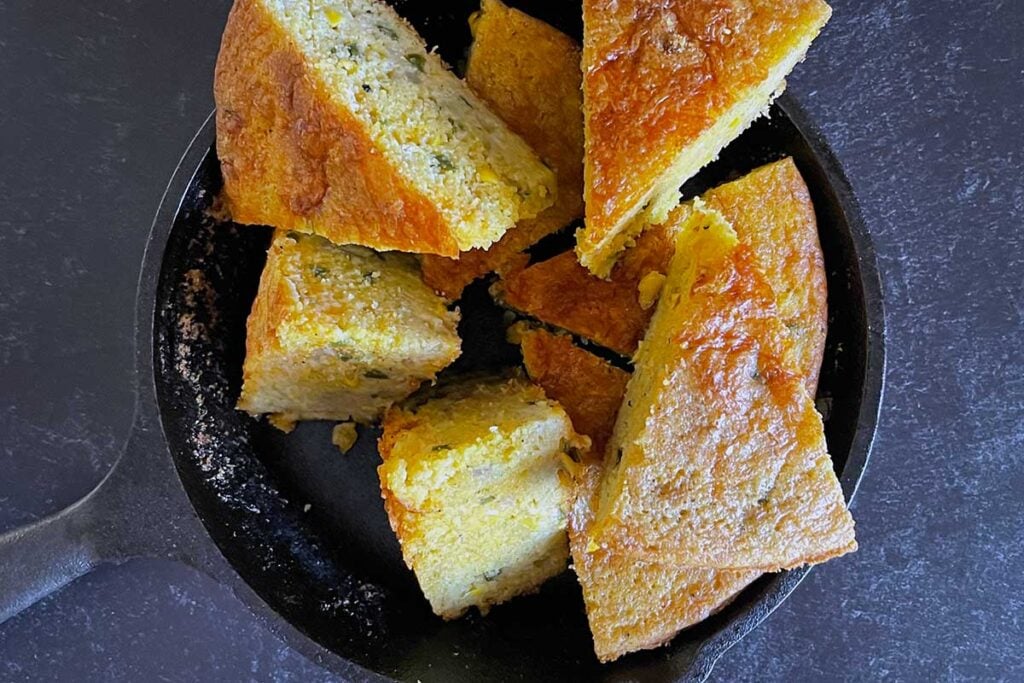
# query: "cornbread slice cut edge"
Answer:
x=536 y=91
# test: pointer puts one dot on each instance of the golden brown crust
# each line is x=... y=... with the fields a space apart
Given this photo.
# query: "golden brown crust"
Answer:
x=274 y=301
x=529 y=74
x=588 y=387
x=293 y=160
x=658 y=74
x=324 y=341
x=638 y=605
x=563 y=293
x=721 y=459
x=770 y=208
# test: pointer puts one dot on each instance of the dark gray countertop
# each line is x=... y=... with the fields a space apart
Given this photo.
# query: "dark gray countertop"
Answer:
x=923 y=103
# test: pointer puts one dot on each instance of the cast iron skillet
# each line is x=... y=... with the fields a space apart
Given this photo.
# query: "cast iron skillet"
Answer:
x=298 y=531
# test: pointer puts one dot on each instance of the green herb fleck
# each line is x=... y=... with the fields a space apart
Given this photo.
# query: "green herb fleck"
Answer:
x=441 y=447
x=443 y=162
x=353 y=49
x=417 y=60
x=340 y=346
x=367 y=88
x=321 y=272
x=374 y=374
x=333 y=51
x=388 y=31
x=486 y=499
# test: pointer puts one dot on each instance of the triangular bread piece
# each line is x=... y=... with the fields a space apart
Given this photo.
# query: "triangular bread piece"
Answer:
x=631 y=605
x=666 y=85
x=561 y=292
x=718 y=457
x=334 y=118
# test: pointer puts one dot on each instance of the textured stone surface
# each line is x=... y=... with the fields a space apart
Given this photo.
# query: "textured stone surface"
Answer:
x=922 y=102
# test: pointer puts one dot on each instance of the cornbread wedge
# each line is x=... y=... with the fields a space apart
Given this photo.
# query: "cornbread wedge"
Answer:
x=631 y=604
x=339 y=333
x=473 y=487
x=333 y=118
x=666 y=85
x=529 y=74
x=770 y=209
x=589 y=388
x=718 y=457
x=639 y=604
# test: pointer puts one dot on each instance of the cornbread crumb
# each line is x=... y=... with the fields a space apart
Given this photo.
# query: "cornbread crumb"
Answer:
x=473 y=485
x=344 y=436
x=283 y=421
x=340 y=333
x=649 y=289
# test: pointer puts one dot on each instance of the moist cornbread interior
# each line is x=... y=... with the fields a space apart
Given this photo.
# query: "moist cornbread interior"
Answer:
x=473 y=485
x=528 y=72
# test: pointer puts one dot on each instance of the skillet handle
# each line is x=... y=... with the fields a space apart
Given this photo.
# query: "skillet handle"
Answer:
x=138 y=510
x=40 y=558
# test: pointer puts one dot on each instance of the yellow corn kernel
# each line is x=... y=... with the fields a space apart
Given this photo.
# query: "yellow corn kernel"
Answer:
x=333 y=16
x=569 y=465
x=487 y=174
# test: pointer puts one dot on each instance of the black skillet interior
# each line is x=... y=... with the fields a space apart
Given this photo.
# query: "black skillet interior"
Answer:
x=304 y=525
